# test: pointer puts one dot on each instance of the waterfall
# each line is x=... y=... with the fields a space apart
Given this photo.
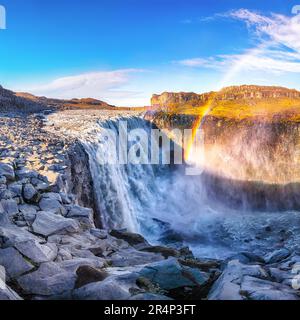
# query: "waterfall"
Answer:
x=169 y=207
x=124 y=192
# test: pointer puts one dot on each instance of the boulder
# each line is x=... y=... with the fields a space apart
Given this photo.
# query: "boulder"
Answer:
x=112 y=288
x=16 y=188
x=30 y=193
x=10 y=235
x=74 y=264
x=88 y=274
x=36 y=252
x=100 y=234
x=258 y=289
x=170 y=274
x=49 y=280
x=133 y=239
x=51 y=205
x=7 y=171
x=131 y=257
x=3 y=180
x=282 y=276
x=25 y=173
x=228 y=286
x=85 y=215
x=277 y=256
x=47 y=223
x=10 y=206
x=164 y=251
x=13 y=262
x=6 y=293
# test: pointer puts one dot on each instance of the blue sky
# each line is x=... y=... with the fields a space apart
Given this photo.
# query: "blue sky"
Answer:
x=122 y=51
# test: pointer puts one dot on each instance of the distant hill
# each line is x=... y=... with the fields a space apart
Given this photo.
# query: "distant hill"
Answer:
x=27 y=102
x=86 y=103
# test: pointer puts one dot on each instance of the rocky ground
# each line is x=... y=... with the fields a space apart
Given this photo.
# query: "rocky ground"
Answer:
x=52 y=248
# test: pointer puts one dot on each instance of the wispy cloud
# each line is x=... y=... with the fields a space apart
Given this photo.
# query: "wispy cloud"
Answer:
x=278 y=47
x=106 y=85
x=202 y=19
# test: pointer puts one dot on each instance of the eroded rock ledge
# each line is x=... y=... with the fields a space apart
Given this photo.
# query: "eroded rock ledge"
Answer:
x=51 y=249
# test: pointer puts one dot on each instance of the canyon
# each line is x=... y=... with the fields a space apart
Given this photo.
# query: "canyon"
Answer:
x=71 y=228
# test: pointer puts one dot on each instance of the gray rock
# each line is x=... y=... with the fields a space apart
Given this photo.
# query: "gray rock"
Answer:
x=112 y=288
x=10 y=206
x=3 y=180
x=282 y=276
x=13 y=262
x=65 y=198
x=16 y=188
x=29 y=213
x=169 y=274
x=247 y=257
x=258 y=289
x=132 y=257
x=25 y=173
x=7 y=294
x=53 y=205
x=10 y=235
x=48 y=280
x=53 y=196
x=74 y=264
x=36 y=252
x=4 y=219
x=277 y=256
x=30 y=193
x=43 y=186
x=227 y=287
x=100 y=234
x=47 y=223
x=7 y=171
x=133 y=239
x=80 y=212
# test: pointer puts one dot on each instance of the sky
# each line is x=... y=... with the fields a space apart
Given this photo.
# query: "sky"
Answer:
x=123 y=51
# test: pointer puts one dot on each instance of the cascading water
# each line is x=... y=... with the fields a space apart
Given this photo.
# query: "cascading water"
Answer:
x=167 y=206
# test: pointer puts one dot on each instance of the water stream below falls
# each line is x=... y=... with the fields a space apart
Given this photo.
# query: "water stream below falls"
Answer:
x=168 y=207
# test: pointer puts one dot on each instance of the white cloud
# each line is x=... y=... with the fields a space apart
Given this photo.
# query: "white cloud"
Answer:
x=110 y=86
x=280 y=29
x=278 y=50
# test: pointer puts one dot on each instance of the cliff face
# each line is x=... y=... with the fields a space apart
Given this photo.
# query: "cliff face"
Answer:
x=169 y=99
x=251 y=144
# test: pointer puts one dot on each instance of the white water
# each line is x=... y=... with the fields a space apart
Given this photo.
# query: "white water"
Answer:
x=166 y=206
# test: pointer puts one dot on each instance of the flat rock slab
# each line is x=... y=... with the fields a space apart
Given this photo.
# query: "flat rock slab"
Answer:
x=47 y=224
